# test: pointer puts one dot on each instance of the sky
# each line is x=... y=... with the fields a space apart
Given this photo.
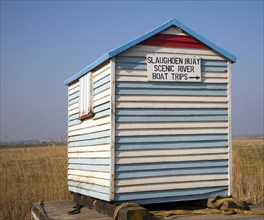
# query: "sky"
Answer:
x=45 y=42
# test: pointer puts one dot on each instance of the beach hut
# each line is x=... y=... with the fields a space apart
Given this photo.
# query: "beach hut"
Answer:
x=150 y=121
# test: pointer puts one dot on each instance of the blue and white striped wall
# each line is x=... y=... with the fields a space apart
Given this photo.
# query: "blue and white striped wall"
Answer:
x=172 y=139
x=89 y=140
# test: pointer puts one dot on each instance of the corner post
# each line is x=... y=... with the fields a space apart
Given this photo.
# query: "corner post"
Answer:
x=229 y=87
x=112 y=131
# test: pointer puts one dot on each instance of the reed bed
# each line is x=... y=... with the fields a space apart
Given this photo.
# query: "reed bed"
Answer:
x=39 y=173
x=29 y=175
x=248 y=169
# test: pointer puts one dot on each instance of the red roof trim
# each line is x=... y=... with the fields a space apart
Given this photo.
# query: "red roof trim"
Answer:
x=169 y=40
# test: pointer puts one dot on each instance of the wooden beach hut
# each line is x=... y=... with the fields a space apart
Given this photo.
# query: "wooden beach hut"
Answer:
x=150 y=121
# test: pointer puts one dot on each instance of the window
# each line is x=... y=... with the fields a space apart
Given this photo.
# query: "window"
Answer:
x=85 y=102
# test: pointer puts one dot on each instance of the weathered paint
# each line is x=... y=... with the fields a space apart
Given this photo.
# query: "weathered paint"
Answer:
x=153 y=141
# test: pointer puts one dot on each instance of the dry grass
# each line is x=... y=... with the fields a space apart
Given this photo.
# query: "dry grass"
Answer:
x=32 y=174
x=248 y=169
x=29 y=175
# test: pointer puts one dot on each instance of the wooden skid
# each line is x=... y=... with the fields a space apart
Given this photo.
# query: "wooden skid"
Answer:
x=125 y=213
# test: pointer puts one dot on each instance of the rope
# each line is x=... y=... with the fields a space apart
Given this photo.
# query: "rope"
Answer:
x=217 y=205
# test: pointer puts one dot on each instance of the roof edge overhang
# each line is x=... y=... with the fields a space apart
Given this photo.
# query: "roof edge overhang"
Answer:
x=143 y=37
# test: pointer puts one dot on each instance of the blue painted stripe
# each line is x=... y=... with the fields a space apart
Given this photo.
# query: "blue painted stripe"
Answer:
x=74 y=122
x=131 y=66
x=98 y=168
x=89 y=193
x=223 y=192
x=73 y=117
x=101 y=88
x=214 y=63
x=73 y=101
x=102 y=114
x=102 y=81
x=170 y=118
x=213 y=69
x=156 y=112
x=90 y=136
x=193 y=92
x=98 y=141
x=91 y=161
x=129 y=59
x=173 y=86
x=170 y=165
x=171 y=145
x=166 y=193
x=102 y=107
x=171 y=172
x=170 y=138
x=73 y=95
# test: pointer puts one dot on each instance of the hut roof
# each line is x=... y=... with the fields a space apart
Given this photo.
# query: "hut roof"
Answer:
x=145 y=36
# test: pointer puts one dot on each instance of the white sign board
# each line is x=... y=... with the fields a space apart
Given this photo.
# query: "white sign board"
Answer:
x=173 y=68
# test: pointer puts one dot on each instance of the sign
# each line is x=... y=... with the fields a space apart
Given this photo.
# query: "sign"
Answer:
x=173 y=68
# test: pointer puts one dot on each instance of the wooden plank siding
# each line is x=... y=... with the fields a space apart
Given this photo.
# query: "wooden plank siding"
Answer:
x=89 y=140
x=172 y=141
x=153 y=142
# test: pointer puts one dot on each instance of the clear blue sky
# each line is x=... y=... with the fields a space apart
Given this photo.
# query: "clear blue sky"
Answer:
x=45 y=42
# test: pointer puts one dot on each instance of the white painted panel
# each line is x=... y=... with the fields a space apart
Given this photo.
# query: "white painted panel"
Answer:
x=171 y=131
x=102 y=154
x=152 y=98
x=132 y=78
x=90 y=180
x=90 y=123
x=214 y=75
x=214 y=80
x=176 y=125
x=74 y=106
x=74 y=111
x=101 y=75
x=94 y=148
x=76 y=89
x=101 y=175
x=74 y=85
x=101 y=69
x=170 y=152
x=169 y=105
x=102 y=100
x=170 y=179
x=170 y=186
x=171 y=159
x=123 y=72
x=90 y=129
x=174 y=31
x=100 y=95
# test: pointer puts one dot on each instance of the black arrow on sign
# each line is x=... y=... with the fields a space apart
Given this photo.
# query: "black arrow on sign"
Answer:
x=194 y=77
